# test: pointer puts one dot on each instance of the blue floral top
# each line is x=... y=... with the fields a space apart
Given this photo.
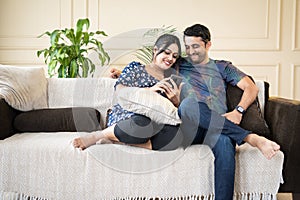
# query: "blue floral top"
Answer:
x=133 y=75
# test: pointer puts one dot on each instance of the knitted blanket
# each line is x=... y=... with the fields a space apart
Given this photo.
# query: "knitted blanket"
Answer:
x=46 y=166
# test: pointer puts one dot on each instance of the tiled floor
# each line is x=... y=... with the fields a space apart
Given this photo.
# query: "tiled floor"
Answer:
x=284 y=196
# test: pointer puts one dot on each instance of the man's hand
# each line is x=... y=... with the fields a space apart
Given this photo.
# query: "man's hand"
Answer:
x=234 y=116
x=115 y=73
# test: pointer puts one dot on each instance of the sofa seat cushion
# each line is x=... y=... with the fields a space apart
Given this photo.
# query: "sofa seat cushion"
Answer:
x=46 y=165
x=60 y=119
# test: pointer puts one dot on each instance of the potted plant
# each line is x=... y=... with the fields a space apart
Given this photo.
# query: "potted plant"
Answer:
x=67 y=57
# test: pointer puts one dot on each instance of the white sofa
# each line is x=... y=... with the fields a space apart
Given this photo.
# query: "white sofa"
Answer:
x=46 y=166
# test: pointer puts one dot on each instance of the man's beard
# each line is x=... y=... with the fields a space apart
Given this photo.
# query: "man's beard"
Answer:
x=196 y=58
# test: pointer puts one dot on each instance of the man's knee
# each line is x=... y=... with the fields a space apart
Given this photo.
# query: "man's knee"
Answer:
x=187 y=107
x=225 y=145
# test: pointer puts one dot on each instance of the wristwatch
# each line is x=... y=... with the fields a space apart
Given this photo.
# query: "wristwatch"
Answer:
x=240 y=109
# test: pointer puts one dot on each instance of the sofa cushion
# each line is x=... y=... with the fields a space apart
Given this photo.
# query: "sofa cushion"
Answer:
x=7 y=114
x=97 y=93
x=253 y=119
x=23 y=88
x=151 y=104
x=58 y=120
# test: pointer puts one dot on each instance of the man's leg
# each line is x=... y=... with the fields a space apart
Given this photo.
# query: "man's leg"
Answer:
x=195 y=115
x=201 y=125
x=224 y=152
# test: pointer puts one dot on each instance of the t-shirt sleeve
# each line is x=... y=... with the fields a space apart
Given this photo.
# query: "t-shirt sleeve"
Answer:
x=232 y=74
x=128 y=75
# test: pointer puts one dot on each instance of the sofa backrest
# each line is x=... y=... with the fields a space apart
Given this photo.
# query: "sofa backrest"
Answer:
x=96 y=93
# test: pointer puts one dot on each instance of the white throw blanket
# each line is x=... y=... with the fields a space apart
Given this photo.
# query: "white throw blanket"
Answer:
x=46 y=165
x=23 y=88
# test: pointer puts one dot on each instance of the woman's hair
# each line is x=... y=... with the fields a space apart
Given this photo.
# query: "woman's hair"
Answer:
x=162 y=43
x=198 y=30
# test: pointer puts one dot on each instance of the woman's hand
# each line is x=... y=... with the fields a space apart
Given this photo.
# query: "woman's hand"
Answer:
x=170 y=89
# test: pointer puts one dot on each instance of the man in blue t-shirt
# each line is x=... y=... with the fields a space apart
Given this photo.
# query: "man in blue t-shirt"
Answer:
x=206 y=81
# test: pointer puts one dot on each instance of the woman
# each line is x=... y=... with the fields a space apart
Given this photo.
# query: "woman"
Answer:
x=135 y=129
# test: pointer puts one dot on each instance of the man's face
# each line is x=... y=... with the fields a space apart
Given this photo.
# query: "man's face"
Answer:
x=196 y=49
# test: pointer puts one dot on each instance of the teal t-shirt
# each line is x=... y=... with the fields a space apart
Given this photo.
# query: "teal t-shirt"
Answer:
x=208 y=82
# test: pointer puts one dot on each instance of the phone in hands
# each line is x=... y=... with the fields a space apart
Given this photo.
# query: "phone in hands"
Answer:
x=177 y=79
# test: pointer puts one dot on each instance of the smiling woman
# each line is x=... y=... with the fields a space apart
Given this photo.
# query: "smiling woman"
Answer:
x=166 y=50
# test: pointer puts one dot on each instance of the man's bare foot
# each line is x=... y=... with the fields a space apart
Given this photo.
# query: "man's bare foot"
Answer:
x=267 y=147
x=86 y=141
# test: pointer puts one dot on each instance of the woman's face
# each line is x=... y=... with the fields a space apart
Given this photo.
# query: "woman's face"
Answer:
x=167 y=58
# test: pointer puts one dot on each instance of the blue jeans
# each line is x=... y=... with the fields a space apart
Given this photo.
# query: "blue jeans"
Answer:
x=200 y=125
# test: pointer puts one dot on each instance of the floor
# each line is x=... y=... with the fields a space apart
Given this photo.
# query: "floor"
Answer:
x=284 y=196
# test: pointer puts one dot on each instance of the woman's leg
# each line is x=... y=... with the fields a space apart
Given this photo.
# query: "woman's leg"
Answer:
x=132 y=131
x=92 y=138
x=167 y=138
x=141 y=131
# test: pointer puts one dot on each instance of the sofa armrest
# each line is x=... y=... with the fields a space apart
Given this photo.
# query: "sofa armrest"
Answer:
x=7 y=116
x=283 y=118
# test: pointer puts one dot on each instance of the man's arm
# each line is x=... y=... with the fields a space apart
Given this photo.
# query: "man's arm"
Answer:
x=249 y=95
x=115 y=73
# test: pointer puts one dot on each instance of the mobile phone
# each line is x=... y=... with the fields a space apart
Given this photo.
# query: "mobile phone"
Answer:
x=177 y=79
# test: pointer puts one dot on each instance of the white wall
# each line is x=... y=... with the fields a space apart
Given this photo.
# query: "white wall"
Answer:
x=261 y=37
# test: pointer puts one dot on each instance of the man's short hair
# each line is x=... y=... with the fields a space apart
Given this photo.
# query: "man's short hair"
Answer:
x=198 y=30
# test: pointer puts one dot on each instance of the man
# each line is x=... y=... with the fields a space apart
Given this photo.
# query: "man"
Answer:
x=208 y=79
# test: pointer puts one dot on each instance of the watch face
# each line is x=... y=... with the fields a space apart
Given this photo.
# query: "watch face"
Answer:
x=240 y=109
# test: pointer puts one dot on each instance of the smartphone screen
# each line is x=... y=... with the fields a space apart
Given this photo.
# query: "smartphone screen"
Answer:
x=176 y=79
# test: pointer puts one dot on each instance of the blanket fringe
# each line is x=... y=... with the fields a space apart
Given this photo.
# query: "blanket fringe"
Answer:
x=17 y=196
x=254 y=196
x=188 y=197
x=237 y=196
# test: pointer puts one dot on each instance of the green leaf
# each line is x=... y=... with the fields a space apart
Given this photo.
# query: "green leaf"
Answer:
x=70 y=35
x=46 y=33
x=81 y=23
x=79 y=27
x=86 y=38
x=101 y=33
x=54 y=37
x=85 y=67
x=62 y=71
x=73 y=70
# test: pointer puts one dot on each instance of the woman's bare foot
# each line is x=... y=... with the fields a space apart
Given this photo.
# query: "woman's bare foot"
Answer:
x=104 y=141
x=86 y=141
x=266 y=146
